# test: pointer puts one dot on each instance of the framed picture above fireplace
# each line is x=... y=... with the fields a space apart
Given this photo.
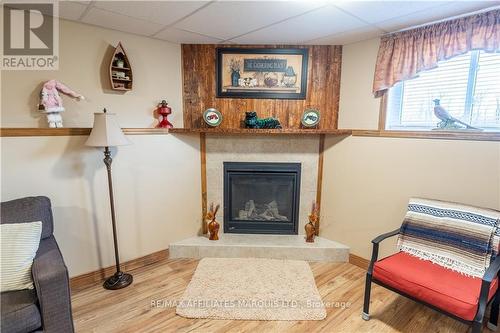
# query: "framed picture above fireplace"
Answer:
x=279 y=73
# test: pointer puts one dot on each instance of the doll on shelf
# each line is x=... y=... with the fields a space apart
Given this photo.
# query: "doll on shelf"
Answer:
x=51 y=103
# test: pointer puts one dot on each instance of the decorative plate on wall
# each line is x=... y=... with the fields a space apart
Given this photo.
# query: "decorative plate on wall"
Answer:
x=310 y=118
x=212 y=117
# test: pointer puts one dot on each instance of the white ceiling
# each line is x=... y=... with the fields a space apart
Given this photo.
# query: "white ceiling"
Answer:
x=261 y=22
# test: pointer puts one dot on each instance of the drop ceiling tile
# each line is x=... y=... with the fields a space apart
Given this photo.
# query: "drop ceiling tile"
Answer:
x=227 y=19
x=162 y=12
x=437 y=13
x=124 y=23
x=348 y=37
x=377 y=11
x=318 y=23
x=185 y=37
x=71 y=10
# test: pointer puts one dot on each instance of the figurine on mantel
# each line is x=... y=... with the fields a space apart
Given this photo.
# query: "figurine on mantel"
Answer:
x=51 y=103
x=252 y=121
x=163 y=112
x=311 y=226
x=213 y=225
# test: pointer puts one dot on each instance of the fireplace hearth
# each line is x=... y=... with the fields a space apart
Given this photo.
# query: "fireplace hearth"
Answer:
x=261 y=198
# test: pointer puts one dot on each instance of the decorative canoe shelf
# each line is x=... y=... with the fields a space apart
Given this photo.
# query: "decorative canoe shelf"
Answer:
x=120 y=71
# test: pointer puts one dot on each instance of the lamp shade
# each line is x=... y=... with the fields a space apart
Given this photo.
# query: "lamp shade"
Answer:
x=106 y=132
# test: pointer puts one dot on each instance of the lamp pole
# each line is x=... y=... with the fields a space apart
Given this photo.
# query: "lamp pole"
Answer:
x=119 y=279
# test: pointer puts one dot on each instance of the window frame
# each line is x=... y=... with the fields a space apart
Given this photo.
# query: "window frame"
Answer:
x=429 y=133
x=422 y=134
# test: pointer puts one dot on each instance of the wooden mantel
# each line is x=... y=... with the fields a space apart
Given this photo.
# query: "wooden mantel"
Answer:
x=238 y=131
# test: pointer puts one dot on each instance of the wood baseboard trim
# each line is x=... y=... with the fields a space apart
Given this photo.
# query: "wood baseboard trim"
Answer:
x=86 y=280
x=358 y=261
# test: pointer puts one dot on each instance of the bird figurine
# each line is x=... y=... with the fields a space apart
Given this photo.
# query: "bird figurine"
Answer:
x=447 y=120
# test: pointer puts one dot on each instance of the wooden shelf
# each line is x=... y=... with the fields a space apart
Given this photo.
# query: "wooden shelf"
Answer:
x=6 y=132
x=443 y=135
x=117 y=83
x=121 y=68
x=235 y=131
x=67 y=131
x=120 y=79
x=122 y=89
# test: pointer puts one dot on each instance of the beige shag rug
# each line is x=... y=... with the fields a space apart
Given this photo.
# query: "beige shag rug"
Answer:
x=252 y=289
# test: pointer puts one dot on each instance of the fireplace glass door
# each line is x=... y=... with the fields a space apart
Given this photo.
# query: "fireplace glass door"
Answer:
x=261 y=197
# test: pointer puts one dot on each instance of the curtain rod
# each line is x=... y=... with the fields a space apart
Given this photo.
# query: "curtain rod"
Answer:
x=445 y=19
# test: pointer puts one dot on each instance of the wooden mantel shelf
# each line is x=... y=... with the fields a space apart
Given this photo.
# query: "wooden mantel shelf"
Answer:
x=69 y=131
x=237 y=131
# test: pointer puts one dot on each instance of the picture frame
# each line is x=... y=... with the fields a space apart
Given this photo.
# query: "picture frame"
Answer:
x=273 y=73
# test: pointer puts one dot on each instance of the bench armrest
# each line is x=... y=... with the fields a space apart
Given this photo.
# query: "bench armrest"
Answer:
x=380 y=238
x=488 y=277
x=492 y=271
x=375 y=243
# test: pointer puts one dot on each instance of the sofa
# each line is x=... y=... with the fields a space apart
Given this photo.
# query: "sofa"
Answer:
x=47 y=307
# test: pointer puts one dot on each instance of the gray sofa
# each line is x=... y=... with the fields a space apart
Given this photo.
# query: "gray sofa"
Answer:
x=47 y=308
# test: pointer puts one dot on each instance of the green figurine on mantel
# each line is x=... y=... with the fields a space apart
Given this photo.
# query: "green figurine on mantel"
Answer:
x=252 y=121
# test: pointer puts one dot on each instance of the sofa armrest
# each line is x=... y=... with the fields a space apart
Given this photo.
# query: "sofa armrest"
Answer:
x=376 y=241
x=51 y=280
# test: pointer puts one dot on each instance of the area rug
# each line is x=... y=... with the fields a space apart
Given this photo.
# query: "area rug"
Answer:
x=252 y=289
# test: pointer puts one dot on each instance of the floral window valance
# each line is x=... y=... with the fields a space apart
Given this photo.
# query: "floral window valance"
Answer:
x=403 y=54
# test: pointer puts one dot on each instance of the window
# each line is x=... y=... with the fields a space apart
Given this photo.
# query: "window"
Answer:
x=468 y=87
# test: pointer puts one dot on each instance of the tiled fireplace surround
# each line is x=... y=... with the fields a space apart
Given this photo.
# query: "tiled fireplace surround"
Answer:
x=262 y=148
x=302 y=149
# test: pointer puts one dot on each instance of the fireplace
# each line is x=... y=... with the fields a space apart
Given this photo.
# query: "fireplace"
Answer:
x=261 y=198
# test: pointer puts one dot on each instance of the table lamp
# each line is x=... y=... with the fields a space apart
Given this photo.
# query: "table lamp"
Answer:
x=107 y=133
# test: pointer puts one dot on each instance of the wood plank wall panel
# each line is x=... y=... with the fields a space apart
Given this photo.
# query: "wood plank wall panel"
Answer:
x=323 y=89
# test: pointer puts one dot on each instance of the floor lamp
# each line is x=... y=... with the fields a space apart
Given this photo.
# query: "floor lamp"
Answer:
x=107 y=133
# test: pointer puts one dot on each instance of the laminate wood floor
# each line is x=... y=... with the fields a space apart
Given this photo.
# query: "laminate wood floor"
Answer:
x=130 y=310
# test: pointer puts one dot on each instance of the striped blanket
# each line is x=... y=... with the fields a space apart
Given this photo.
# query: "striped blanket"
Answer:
x=459 y=237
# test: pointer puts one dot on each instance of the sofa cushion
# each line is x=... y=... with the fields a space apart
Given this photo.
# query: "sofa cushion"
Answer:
x=28 y=209
x=19 y=311
x=448 y=290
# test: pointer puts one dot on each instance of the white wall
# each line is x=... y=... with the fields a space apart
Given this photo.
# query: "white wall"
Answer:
x=358 y=109
x=368 y=180
x=156 y=179
x=156 y=188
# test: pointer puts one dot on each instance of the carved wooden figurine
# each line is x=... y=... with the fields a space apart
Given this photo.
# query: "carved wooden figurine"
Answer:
x=311 y=226
x=213 y=225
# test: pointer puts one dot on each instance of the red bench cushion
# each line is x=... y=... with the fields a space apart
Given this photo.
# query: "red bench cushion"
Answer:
x=446 y=289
